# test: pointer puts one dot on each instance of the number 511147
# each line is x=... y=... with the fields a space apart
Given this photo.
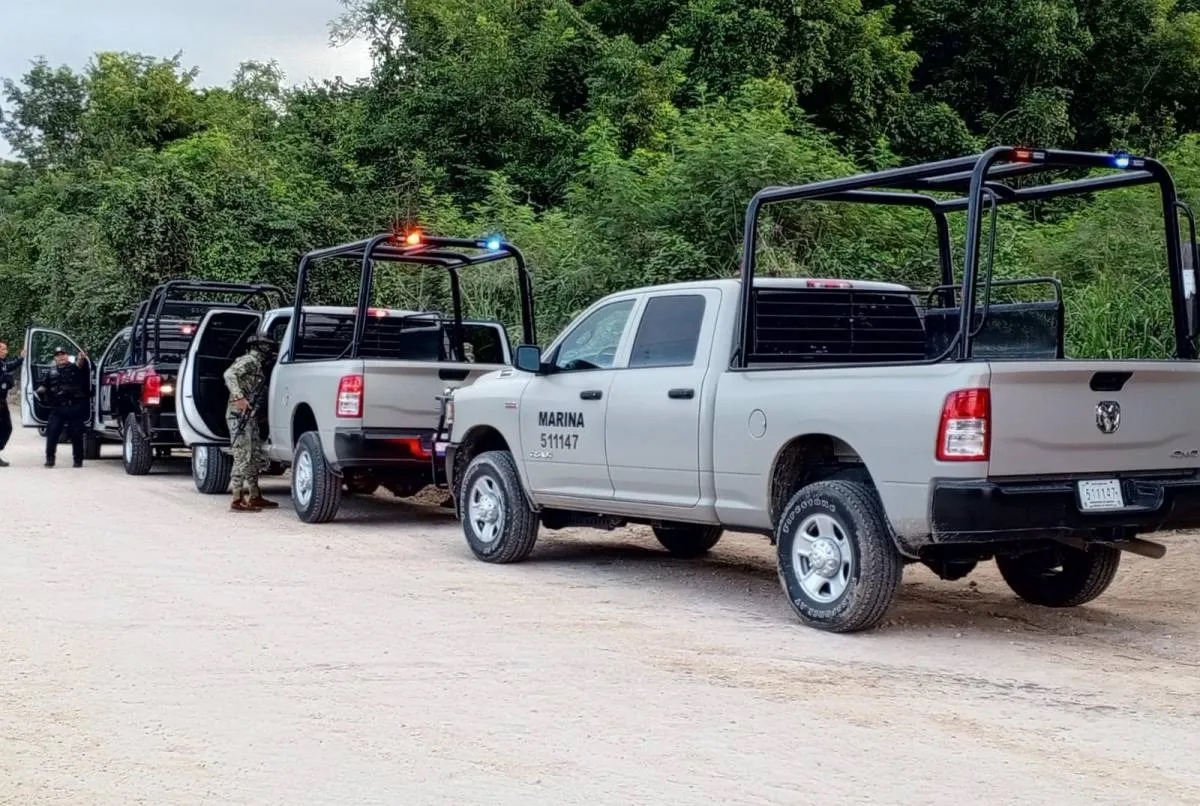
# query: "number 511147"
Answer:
x=561 y=441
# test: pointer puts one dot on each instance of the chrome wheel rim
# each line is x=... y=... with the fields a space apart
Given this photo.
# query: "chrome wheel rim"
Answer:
x=822 y=559
x=200 y=463
x=302 y=478
x=485 y=510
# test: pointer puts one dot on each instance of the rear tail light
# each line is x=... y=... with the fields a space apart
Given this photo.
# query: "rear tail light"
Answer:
x=964 y=434
x=350 y=396
x=829 y=284
x=152 y=389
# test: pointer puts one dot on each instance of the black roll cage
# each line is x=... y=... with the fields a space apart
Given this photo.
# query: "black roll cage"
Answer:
x=174 y=290
x=429 y=251
x=978 y=181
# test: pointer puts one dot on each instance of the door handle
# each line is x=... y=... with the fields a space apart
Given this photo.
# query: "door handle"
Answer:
x=681 y=394
x=589 y=394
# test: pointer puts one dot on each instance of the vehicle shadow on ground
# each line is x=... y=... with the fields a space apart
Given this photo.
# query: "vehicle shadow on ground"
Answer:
x=747 y=582
x=385 y=508
x=173 y=466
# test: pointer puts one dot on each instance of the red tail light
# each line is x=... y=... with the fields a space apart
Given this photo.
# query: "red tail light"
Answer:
x=964 y=434
x=829 y=284
x=152 y=389
x=350 y=396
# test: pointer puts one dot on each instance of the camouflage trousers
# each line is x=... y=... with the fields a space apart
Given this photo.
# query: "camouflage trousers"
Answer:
x=249 y=458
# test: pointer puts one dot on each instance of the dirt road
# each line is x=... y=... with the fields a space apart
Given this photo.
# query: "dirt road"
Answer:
x=155 y=648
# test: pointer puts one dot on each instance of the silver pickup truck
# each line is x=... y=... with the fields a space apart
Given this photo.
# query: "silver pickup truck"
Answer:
x=352 y=401
x=861 y=425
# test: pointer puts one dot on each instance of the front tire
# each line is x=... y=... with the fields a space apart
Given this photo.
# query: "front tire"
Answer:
x=211 y=469
x=1060 y=576
x=136 y=455
x=837 y=561
x=688 y=541
x=316 y=491
x=499 y=525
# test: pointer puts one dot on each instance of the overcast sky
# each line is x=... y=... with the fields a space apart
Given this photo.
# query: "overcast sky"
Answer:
x=214 y=35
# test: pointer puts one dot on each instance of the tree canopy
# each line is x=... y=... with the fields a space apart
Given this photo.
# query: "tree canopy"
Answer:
x=616 y=141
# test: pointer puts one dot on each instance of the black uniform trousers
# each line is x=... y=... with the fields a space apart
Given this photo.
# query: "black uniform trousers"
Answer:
x=5 y=423
x=72 y=417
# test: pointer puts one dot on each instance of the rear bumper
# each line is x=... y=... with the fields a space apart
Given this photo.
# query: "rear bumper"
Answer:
x=382 y=448
x=162 y=428
x=983 y=511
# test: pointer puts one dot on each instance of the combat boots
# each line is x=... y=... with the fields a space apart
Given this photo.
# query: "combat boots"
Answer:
x=242 y=503
x=255 y=499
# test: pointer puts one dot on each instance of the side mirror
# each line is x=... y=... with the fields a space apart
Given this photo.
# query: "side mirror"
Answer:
x=529 y=358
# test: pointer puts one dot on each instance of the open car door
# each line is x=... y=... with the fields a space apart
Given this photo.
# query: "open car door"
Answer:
x=220 y=339
x=40 y=343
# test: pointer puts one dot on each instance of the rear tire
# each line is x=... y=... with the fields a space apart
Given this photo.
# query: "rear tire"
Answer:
x=316 y=491
x=91 y=446
x=211 y=469
x=136 y=454
x=688 y=541
x=837 y=561
x=1060 y=576
x=497 y=521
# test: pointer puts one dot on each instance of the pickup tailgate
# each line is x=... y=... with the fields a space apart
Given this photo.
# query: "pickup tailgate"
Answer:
x=1083 y=417
x=403 y=394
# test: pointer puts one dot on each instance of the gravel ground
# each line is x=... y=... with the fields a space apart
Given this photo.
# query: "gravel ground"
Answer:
x=156 y=648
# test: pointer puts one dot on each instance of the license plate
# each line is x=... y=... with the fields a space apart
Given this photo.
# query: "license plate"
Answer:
x=1100 y=495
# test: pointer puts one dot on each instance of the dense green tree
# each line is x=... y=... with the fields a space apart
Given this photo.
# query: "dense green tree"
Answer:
x=616 y=141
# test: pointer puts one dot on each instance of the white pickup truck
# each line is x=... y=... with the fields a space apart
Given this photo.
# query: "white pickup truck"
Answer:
x=859 y=424
x=352 y=401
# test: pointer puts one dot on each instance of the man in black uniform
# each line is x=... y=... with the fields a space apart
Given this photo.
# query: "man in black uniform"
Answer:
x=65 y=389
x=7 y=368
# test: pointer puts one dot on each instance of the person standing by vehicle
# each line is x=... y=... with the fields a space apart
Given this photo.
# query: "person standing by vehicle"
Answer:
x=246 y=381
x=66 y=390
x=7 y=368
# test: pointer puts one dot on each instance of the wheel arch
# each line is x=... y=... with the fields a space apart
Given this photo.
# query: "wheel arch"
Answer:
x=480 y=439
x=303 y=420
x=808 y=458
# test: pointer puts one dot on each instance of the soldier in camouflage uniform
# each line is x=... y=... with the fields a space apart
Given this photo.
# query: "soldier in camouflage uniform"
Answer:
x=244 y=379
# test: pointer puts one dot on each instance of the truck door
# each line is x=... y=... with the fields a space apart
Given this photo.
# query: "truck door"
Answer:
x=652 y=429
x=220 y=339
x=40 y=343
x=563 y=413
x=108 y=381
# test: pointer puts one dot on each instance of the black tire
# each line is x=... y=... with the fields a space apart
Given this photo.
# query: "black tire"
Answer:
x=136 y=454
x=858 y=551
x=211 y=469
x=316 y=491
x=91 y=446
x=493 y=475
x=273 y=468
x=688 y=541
x=1060 y=576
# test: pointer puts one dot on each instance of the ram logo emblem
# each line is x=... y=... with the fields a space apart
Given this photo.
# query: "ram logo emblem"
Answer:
x=1108 y=416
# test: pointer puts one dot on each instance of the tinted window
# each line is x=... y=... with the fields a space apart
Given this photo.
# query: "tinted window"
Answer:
x=593 y=343
x=669 y=332
x=118 y=352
